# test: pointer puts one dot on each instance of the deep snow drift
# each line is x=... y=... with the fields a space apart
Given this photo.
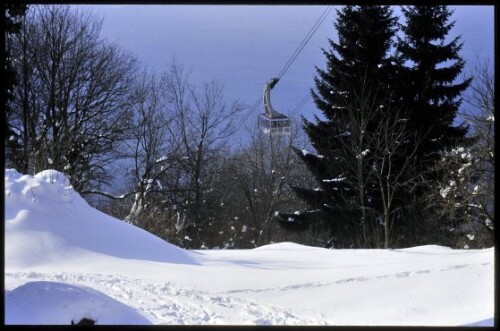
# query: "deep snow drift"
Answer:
x=65 y=261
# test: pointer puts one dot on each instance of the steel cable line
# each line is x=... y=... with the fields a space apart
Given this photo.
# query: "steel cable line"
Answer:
x=301 y=104
x=304 y=42
x=285 y=68
x=292 y=58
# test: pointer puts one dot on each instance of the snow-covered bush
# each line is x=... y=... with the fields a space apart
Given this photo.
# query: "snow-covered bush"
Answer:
x=465 y=198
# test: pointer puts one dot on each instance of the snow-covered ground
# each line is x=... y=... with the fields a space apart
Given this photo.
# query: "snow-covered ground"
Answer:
x=65 y=261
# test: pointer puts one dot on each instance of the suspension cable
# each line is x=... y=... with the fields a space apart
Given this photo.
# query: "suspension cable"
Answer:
x=292 y=58
x=304 y=42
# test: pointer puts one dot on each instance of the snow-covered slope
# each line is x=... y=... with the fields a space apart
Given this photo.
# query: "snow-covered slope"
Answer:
x=47 y=221
x=65 y=261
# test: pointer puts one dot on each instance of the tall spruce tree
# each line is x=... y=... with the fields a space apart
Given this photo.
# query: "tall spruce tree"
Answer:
x=350 y=93
x=431 y=91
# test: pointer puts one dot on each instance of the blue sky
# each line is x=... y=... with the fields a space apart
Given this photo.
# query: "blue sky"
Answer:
x=244 y=46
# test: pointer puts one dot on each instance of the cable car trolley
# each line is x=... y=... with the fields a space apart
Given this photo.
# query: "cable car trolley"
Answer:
x=272 y=122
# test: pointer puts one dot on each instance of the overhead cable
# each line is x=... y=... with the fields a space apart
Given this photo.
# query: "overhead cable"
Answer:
x=292 y=58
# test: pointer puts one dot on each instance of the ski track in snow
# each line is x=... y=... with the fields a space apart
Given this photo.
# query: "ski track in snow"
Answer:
x=403 y=274
x=168 y=303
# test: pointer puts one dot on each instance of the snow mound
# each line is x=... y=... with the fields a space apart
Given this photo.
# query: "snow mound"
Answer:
x=47 y=221
x=43 y=302
x=286 y=246
x=427 y=249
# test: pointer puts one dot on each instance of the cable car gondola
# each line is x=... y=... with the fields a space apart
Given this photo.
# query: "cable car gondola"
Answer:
x=272 y=122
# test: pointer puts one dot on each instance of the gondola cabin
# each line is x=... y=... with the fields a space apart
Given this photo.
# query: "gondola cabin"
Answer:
x=272 y=122
x=276 y=126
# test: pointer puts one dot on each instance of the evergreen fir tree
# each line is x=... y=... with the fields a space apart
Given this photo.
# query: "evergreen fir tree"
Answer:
x=358 y=65
x=430 y=91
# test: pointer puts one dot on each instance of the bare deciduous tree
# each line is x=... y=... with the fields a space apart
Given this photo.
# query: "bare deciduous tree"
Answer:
x=150 y=146
x=264 y=170
x=71 y=105
x=201 y=126
x=395 y=147
x=482 y=119
x=468 y=193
